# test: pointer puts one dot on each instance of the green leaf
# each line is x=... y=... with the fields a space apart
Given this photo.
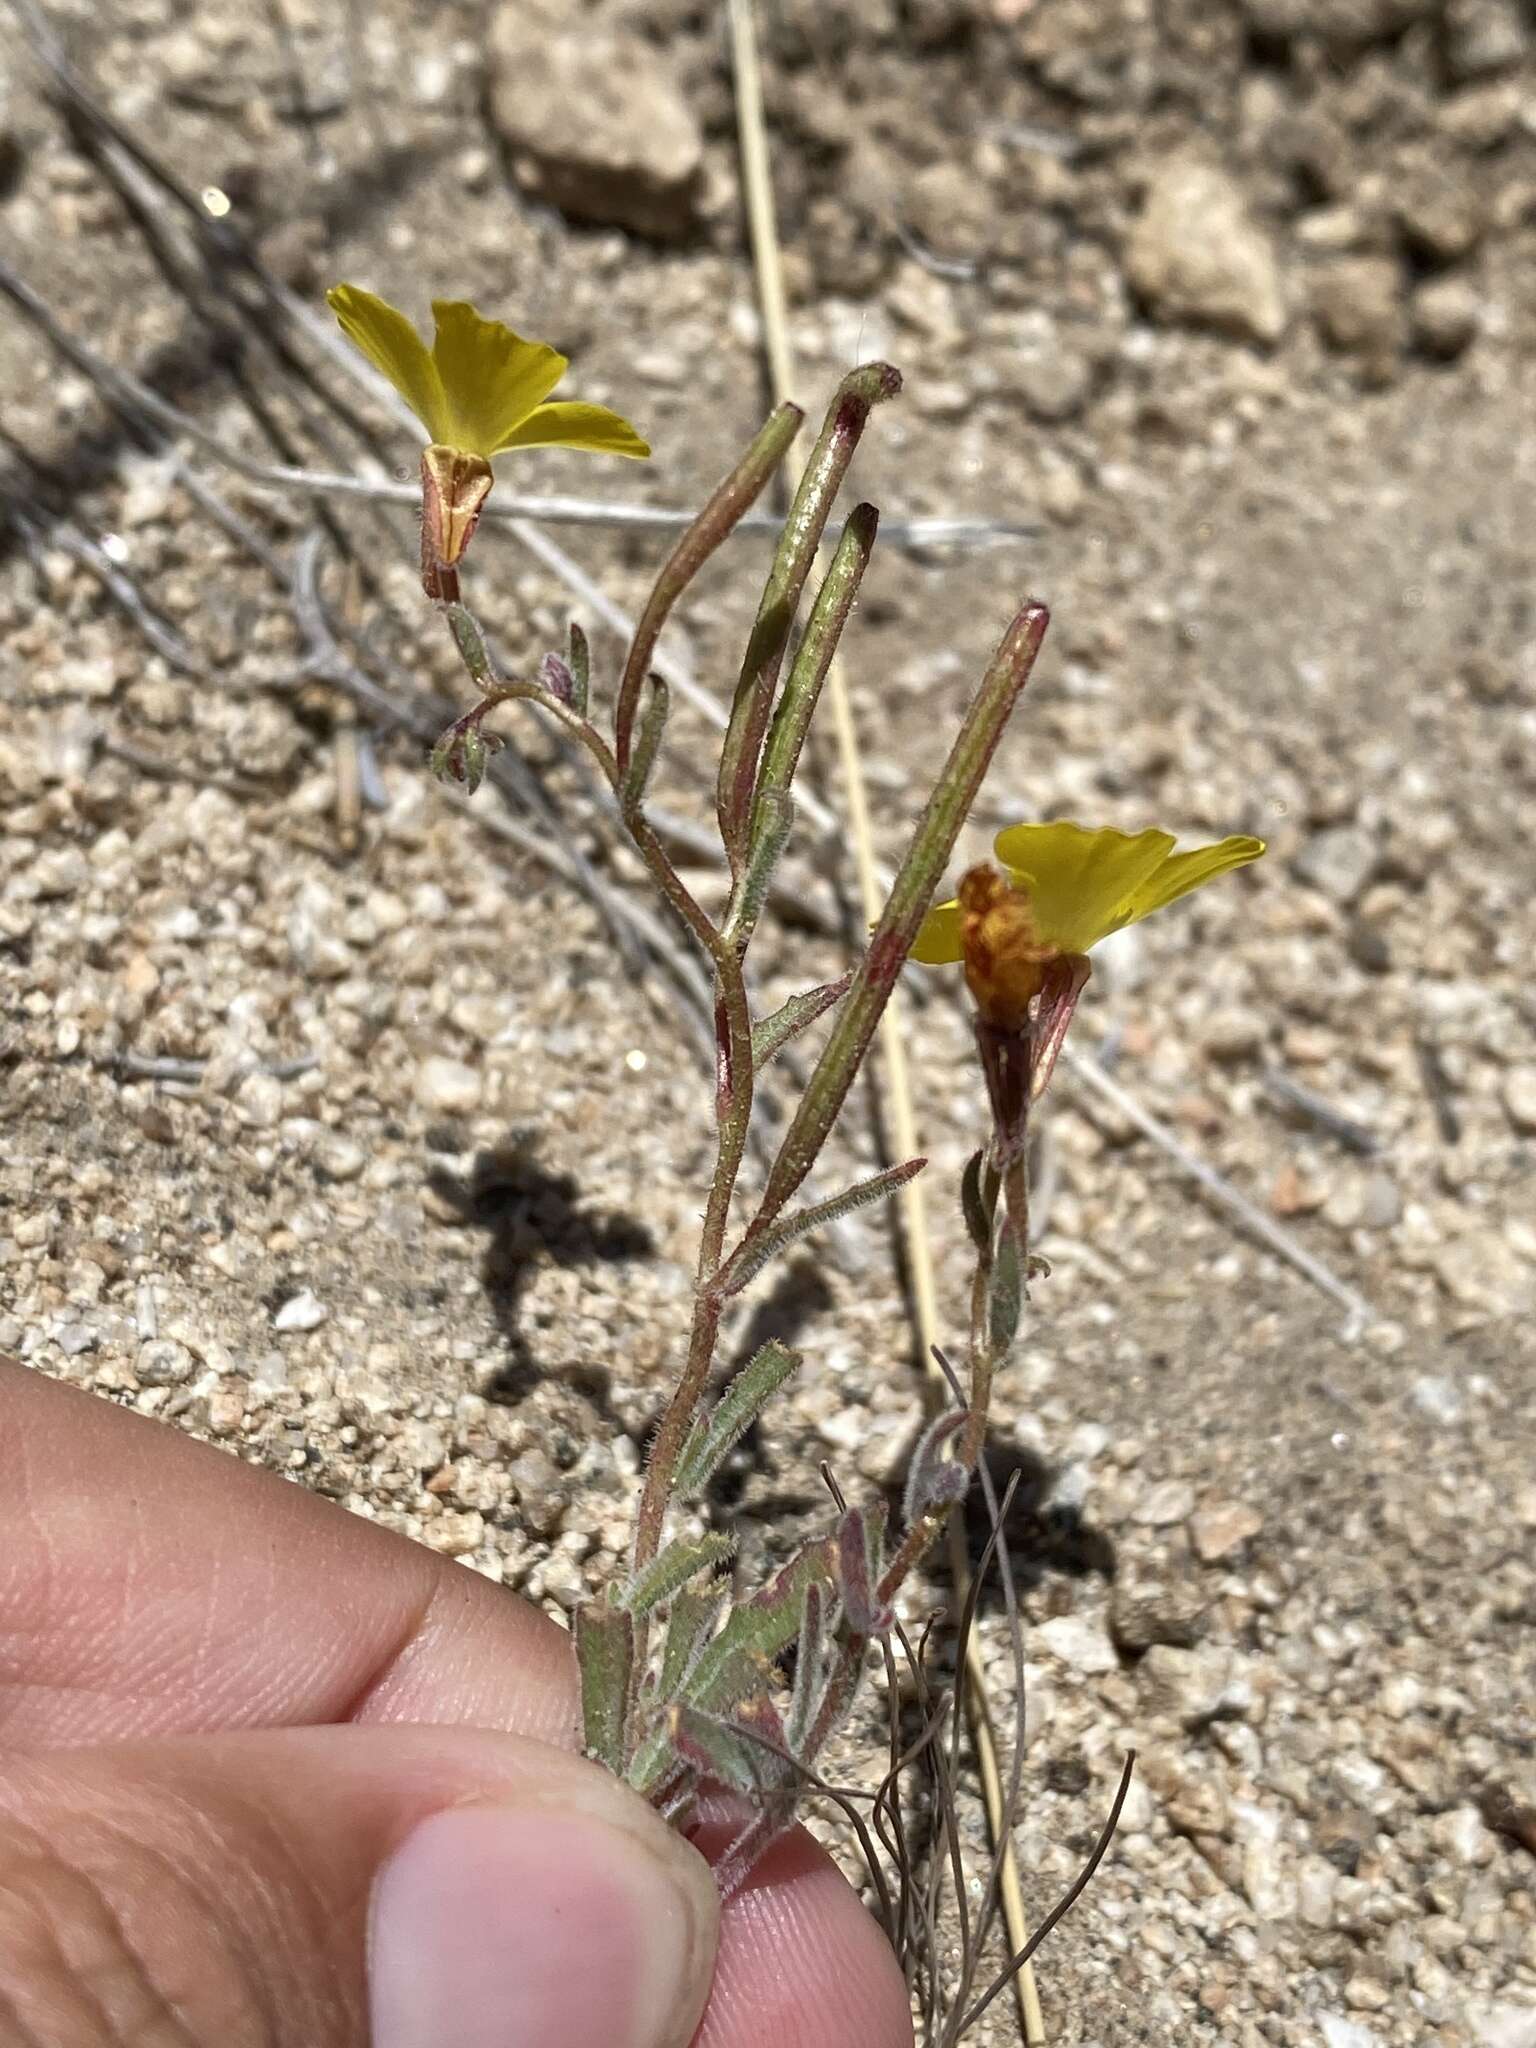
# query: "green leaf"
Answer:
x=776 y=822
x=690 y=1621
x=653 y=722
x=760 y=1628
x=772 y=1033
x=752 y=704
x=1007 y=1296
x=740 y=1756
x=655 y=1762
x=750 y=1257
x=811 y=1670
x=671 y=1569
x=725 y=1674
x=726 y=505
x=471 y=643
x=813 y=660
x=716 y=1436
x=605 y=1656
x=579 y=661
x=979 y=1186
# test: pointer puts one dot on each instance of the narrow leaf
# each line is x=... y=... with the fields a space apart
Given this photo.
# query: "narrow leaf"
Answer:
x=740 y=1757
x=978 y=1198
x=579 y=662
x=470 y=642
x=836 y=1700
x=813 y=659
x=605 y=1655
x=773 y=1032
x=653 y=723
x=738 y=1408
x=726 y=1673
x=671 y=1569
x=860 y=1536
x=777 y=815
x=810 y=1670
x=753 y=1253
x=1007 y=1296
x=690 y=1621
x=764 y=1625
x=655 y=1763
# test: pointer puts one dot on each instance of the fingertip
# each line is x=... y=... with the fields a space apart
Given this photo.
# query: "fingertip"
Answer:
x=801 y=1963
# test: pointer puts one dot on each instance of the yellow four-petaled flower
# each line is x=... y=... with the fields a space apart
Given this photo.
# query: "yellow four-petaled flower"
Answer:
x=1063 y=888
x=480 y=388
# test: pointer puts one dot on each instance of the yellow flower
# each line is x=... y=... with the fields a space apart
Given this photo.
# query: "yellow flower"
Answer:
x=480 y=388
x=1080 y=885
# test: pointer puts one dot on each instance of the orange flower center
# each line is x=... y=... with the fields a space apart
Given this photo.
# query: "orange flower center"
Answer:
x=1005 y=957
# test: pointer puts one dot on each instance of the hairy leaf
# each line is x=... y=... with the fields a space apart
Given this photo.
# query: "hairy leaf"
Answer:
x=714 y=1437
x=837 y=1698
x=1007 y=1296
x=653 y=723
x=741 y=1756
x=860 y=1542
x=812 y=1660
x=692 y=1618
x=671 y=1569
x=763 y=1626
x=655 y=1762
x=772 y=1033
x=579 y=662
x=978 y=1198
x=605 y=1656
x=471 y=643
x=753 y=1254
x=763 y=856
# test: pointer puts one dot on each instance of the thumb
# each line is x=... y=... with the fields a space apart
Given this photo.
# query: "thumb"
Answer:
x=343 y=1887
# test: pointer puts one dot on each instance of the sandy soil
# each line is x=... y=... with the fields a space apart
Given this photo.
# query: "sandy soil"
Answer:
x=407 y=1206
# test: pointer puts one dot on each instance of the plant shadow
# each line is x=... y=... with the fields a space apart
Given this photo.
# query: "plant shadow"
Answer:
x=1045 y=1531
x=529 y=1214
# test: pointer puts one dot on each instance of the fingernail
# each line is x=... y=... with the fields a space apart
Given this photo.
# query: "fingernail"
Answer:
x=494 y=1926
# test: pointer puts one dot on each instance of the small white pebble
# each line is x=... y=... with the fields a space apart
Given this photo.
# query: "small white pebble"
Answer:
x=300 y=1312
x=447 y=1085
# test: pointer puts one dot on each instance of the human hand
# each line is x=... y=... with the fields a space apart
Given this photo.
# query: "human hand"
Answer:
x=269 y=1774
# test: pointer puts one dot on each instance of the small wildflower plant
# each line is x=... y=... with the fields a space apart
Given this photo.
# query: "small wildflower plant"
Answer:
x=686 y=1679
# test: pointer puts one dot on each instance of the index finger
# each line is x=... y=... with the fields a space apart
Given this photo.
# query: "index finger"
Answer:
x=150 y=1585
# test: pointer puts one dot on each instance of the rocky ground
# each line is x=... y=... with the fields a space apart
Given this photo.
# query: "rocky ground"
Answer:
x=340 y=1134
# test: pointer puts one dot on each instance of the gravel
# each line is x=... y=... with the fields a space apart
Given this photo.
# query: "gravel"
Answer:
x=253 y=1061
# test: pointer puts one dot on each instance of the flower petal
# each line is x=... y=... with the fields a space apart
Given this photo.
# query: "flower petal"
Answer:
x=1080 y=881
x=1192 y=870
x=570 y=424
x=938 y=936
x=493 y=378
x=396 y=351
